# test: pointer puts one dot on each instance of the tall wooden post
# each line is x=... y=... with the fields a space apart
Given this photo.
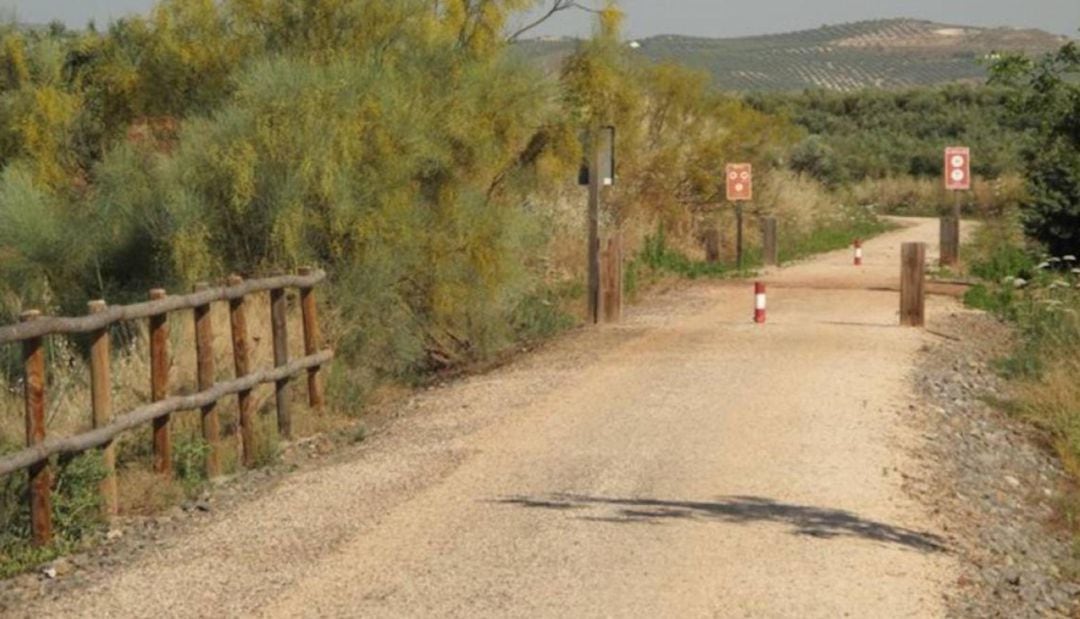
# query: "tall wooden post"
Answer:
x=40 y=475
x=159 y=384
x=312 y=341
x=242 y=366
x=101 y=398
x=770 y=252
x=739 y=235
x=611 y=279
x=278 y=312
x=204 y=361
x=912 y=285
x=595 y=187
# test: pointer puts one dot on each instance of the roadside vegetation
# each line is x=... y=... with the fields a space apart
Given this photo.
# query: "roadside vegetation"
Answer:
x=1027 y=255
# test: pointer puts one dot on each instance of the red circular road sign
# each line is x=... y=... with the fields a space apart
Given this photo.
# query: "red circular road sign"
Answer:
x=958 y=168
x=740 y=182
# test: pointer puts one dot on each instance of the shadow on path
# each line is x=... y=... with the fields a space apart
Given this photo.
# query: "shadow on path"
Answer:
x=805 y=520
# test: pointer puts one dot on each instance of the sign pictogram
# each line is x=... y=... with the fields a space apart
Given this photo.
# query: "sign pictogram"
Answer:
x=740 y=182
x=958 y=168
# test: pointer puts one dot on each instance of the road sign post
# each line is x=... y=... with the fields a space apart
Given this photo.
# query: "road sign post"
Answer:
x=740 y=188
x=599 y=173
x=957 y=179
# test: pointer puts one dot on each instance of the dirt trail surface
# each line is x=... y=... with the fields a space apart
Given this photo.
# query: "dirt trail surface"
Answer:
x=685 y=463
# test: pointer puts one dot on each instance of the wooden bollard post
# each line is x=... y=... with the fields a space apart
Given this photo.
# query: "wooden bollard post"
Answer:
x=712 y=244
x=950 y=241
x=101 y=398
x=242 y=365
x=40 y=477
x=770 y=253
x=312 y=341
x=278 y=311
x=159 y=384
x=912 y=285
x=204 y=361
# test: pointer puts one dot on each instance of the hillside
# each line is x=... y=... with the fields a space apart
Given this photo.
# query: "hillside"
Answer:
x=891 y=53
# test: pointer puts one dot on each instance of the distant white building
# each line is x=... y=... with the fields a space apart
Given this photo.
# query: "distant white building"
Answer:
x=634 y=44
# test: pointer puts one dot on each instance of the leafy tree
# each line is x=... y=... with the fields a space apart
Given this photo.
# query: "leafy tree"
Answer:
x=1045 y=99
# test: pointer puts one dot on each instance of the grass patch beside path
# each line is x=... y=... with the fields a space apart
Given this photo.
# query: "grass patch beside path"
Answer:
x=1040 y=295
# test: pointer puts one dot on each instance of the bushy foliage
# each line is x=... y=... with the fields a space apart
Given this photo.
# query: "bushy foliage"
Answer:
x=1045 y=99
x=396 y=144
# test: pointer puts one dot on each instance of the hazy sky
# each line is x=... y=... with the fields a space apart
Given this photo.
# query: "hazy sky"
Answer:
x=715 y=18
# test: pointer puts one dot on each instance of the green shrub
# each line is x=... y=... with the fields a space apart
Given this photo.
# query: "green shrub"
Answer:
x=189 y=461
x=1045 y=100
x=76 y=513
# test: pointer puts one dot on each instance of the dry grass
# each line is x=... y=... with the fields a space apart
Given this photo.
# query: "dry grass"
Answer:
x=799 y=202
x=1053 y=400
x=907 y=195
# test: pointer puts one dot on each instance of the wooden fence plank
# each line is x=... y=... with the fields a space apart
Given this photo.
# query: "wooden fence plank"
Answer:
x=242 y=365
x=312 y=341
x=101 y=399
x=204 y=361
x=159 y=384
x=279 y=325
x=40 y=476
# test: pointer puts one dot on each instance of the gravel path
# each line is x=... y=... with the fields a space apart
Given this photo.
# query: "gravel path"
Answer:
x=684 y=463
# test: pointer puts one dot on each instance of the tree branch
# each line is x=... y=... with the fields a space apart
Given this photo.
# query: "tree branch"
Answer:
x=557 y=6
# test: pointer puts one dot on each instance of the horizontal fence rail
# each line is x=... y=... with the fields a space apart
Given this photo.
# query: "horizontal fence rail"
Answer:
x=34 y=327
x=145 y=414
x=86 y=324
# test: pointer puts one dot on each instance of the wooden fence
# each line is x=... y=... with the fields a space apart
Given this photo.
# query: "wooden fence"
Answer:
x=33 y=327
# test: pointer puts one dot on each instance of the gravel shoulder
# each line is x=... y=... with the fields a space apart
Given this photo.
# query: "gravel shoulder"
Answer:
x=683 y=463
x=994 y=484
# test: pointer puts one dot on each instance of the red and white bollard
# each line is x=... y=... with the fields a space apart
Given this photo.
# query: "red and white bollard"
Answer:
x=858 y=252
x=759 y=302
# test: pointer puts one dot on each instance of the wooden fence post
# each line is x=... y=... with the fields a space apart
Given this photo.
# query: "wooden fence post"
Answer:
x=312 y=342
x=204 y=361
x=769 y=247
x=278 y=311
x=40 y=476
x=739 y=235
x=712 y=243
x=912 y=285
x=101 y=397
x=950 y=241
x=159 y=384
x=242 y=364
